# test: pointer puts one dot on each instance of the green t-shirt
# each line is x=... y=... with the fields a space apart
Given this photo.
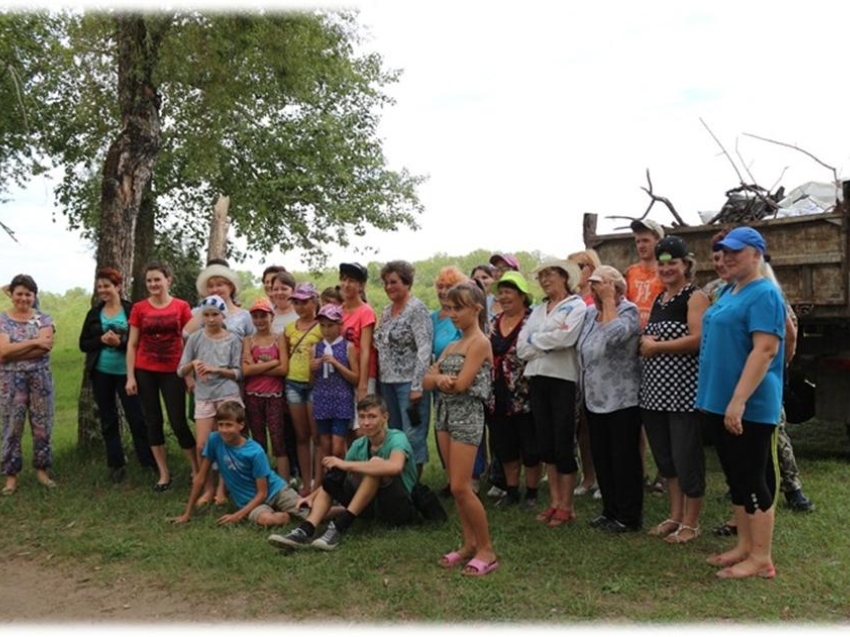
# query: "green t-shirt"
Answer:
x=396 y=440
x=112 y=360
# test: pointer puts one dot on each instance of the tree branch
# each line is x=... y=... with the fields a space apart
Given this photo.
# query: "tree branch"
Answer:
x=714 y=137
x=743 y=163
x=835 y=180
x=9 y=231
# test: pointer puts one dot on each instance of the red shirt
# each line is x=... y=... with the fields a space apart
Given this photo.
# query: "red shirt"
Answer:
x=352 y=326
x=642 y=286
x=160 y=334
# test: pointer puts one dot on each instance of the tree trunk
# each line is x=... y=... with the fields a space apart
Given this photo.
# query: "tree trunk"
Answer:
x=143 y=245
x=218 y=229
x=127 y=170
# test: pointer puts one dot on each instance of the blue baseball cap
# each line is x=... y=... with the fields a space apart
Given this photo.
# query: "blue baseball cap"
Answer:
x=740 y=238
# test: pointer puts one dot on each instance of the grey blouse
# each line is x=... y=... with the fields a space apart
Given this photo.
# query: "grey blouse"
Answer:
x=404 y=344
x=608 y=358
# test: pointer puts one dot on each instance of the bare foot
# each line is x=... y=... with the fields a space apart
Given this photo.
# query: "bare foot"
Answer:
x=747 y=568
x=729 y=558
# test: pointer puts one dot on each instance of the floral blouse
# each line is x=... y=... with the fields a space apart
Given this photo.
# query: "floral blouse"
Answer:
x=404 y=344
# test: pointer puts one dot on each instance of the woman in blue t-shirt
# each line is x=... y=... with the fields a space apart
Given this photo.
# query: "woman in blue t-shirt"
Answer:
x=740 y=391
x=104 y=340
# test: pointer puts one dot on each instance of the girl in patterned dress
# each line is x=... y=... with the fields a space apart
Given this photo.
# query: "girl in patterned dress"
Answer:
x=335 y=370
x=462 y=378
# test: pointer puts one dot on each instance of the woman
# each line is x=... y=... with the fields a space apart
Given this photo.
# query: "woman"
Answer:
x=358 y=324
x=26 y=383
x=587 y=261
x=547 y=344
x=104 y=340
x=484 y=274
x=403 y=340
x=154 y=348
x=445 y=332
x=501 y=263
x=608 y=350
x=740 y=392
x=220 y=280
x=511 y=423
x=669 y=348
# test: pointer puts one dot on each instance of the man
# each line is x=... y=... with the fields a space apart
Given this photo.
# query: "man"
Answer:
x=376 y=479
x=642 y=282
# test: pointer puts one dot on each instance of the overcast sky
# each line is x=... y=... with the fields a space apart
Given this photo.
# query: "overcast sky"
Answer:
x=525 y=116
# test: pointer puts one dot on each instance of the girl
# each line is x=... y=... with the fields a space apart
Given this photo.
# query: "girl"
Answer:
x=332 y=295
x=358 y=324
x=265 y=363
x=220 y=280
x=462 y=376
x=212 y=355
x=335 y=372
x=301 y=335
x=282 y=287
x=153 y=354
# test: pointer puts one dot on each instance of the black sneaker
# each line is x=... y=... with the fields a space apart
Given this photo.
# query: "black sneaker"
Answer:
x=614 y=526
x=117 y=475
x=296 y=539
x=508 y=500
x=329 y=540
x=799 y=502
x=600 y=521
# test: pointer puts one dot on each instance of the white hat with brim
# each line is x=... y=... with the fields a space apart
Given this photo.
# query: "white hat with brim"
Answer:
x=216 y=270
x=570 y=267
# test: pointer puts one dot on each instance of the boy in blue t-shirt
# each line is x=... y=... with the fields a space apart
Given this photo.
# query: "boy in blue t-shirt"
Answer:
x=375 y=480
x=261 y=494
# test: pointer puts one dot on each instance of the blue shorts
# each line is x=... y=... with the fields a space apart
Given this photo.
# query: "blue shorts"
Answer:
x=298 y=393
x=333 y=427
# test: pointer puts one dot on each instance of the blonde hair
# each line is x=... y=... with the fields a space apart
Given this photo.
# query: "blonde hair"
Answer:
x=586 y=256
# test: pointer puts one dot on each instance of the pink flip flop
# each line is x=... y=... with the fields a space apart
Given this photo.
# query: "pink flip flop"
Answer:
x=450 y=560
x=479 y=568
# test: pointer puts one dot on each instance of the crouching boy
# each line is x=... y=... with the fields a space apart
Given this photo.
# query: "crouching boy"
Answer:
x=374 y=480
x=261 y=494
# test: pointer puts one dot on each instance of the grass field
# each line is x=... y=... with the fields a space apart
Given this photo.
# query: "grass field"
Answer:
x=566 y=575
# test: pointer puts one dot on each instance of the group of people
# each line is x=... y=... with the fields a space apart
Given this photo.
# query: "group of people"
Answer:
x=345 y=399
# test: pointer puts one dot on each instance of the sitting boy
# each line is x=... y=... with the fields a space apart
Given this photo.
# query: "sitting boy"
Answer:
x=375 y=480
x=261 y=494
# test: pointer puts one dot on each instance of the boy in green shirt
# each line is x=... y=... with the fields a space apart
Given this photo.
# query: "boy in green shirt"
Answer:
x=375 y=480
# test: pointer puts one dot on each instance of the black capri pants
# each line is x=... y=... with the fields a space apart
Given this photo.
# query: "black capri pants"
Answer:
x=553 y=403
x=173 y=390
x=513 y=438
x=748 y=462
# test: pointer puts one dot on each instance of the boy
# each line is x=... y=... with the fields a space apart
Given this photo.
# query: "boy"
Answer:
x=375 y=480
x=261 y=495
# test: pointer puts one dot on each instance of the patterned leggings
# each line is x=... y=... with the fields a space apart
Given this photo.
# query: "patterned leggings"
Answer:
x=23 y=392
x=266 y=412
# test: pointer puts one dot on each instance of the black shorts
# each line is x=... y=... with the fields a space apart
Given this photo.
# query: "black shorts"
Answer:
x=391 y=505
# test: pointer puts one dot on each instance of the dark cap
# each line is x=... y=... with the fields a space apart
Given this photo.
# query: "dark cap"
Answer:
x=671 y=247
x=354 y=270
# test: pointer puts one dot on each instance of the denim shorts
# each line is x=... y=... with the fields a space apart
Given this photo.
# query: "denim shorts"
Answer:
x=333 y=427
x=298 y=393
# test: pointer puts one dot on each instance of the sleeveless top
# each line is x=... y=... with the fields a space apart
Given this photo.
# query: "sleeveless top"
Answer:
x=333 y=396
x=264 y=384
x=669 y=381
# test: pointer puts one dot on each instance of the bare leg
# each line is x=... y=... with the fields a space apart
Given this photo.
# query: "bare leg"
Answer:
x=759 y=562
x=278 y=518
x=283 y=468
x=473 y=518
x=301 y=424
x=160 y=457
x=742 y=548
x=203 y=428
x=588 y=472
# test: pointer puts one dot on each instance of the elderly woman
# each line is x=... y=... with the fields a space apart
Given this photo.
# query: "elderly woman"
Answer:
x=404 y=340
x=26 y=383
x=547 y=344
x=587 y=260
x=103 y=338
x=511 y=423
x=669 y=348
x=740 y=391
x=608 y=349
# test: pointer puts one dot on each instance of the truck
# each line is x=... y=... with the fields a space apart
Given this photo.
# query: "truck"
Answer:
x=809 y=254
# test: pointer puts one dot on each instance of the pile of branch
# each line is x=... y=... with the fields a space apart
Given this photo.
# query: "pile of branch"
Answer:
x=653 y=199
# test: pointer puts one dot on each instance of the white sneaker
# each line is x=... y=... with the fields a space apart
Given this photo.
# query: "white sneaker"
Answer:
x=496 y=492
x=597 y=493
x=582 y=490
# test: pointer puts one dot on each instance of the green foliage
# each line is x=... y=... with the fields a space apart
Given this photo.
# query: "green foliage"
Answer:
x=277 y=110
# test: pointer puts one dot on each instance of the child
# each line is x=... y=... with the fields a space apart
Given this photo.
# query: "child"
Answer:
x=331 y=295
x=213 y=355
x=374 y=481
x=335 y=371
x=301 y=335
x=265 y=362
x=462 y=376
x=261 y=495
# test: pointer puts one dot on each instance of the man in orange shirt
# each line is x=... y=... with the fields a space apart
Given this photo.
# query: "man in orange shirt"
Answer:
x=642 y=282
